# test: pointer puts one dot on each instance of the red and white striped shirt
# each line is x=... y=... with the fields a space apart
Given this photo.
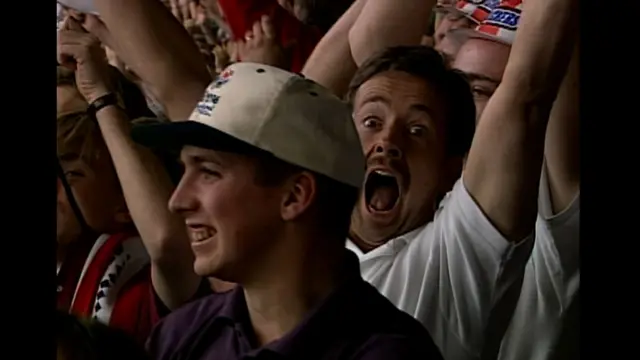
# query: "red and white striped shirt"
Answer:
x=110 y=280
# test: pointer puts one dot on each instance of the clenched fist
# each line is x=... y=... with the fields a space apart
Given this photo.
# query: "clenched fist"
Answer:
x=82 y=52
x=261 y=45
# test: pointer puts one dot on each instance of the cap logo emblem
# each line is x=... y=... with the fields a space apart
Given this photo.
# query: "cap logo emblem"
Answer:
x=504 y=18
x=208 y=103
x=210 y=99
x=227 y=74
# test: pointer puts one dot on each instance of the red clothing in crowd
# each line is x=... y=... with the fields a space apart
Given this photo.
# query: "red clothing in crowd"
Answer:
x=242 y=14
x=110 y=281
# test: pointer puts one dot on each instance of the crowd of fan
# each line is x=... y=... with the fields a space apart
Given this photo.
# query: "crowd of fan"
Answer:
x=318 y=179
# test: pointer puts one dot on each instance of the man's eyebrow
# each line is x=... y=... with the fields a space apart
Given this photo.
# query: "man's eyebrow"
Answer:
x=480 y=77
x=375 y=99
x=415 y=107
x=199 y=159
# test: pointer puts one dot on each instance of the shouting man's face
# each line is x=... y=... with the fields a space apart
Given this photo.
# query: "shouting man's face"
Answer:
x=401 y=122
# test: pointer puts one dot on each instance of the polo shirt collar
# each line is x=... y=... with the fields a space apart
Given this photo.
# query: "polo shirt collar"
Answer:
x=311 y=332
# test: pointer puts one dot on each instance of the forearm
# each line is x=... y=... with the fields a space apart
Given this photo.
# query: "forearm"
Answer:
x=159 y=50
x=145 y=184
x=147 y=187
x=562 y=144
x=331 y=63
x=541 y=51
x=386 y=23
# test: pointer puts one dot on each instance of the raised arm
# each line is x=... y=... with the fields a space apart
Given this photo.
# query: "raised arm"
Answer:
x=158 y=49
x=145 y=183
x=386 y=23
x=147 y=189
x=331 y=64
x=562 y=145
x=503 y=169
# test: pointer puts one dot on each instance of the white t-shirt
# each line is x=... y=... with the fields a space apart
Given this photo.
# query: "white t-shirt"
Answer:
x=449 y=273
x=551 y=281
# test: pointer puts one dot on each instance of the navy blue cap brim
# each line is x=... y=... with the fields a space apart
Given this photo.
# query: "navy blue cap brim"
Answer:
x=175 y=135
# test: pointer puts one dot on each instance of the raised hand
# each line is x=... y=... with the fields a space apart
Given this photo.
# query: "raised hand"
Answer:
x=82 y=52
x=180 y=9
x=260 y=45
x=91 y=23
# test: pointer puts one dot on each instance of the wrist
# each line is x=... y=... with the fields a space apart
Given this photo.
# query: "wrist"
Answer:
x=107 y=100
x=95 y=95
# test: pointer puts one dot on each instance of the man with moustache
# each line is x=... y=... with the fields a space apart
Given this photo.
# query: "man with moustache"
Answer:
x=449 y=265
x=272 y=170
x=416 y=243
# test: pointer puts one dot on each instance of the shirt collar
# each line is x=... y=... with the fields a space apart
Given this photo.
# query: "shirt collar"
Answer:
x=311 y=332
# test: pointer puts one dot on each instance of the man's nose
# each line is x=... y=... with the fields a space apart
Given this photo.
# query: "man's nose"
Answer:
x=388 y=149
x=182 y=200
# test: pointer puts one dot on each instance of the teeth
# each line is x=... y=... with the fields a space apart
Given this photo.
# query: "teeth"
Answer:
x=383 y=173
x=201 y=234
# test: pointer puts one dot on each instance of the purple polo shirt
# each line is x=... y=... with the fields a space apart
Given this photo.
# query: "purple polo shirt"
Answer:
x=354 y=322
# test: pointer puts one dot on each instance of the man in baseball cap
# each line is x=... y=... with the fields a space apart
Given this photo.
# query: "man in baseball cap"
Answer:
x=273 y=166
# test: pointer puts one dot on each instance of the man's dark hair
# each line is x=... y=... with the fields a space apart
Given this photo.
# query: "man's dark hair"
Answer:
x=427 y=64
x=334 y=200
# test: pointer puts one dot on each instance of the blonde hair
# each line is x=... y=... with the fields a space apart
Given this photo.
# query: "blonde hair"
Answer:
x=78 y=134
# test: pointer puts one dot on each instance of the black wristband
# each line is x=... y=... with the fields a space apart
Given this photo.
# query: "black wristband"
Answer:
x=101 y=102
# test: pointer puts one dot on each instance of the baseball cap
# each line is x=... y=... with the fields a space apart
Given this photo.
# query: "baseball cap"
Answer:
x=474 y=10
x=253 y=107
x=500 y=26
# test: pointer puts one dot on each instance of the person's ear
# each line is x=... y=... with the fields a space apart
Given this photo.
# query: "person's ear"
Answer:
x=301 y=193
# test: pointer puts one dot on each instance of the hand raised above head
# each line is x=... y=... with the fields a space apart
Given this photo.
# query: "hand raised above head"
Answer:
x=261 y=45
x=83 y=53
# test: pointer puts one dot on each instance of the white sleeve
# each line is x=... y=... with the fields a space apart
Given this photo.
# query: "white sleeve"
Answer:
x=551 y=282
x=556 y=254
x=455 y=270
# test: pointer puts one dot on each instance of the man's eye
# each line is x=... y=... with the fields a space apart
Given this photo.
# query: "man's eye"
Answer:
x=209 y=172
x=479 y=92
x=417 y=130
x=371 y=122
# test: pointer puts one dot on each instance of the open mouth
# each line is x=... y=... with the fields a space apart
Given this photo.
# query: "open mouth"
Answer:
x=382 y=191
x=200 y=233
